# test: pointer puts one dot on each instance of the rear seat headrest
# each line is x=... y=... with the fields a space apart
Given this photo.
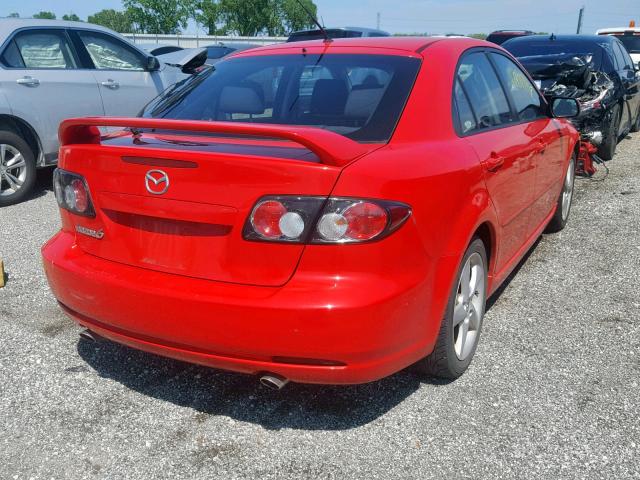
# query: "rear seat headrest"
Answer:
x=241 y=99
x=329 y=97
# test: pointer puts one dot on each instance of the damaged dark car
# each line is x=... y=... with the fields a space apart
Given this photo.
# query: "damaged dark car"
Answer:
x=595 y=70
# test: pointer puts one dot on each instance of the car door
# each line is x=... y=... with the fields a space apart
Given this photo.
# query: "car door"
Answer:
x=120 y=72
x=631 y=83
x=44 y=82
x=504 y=146
x=550 y=146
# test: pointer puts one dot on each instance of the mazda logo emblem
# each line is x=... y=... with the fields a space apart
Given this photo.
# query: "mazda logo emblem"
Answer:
x=156 y=181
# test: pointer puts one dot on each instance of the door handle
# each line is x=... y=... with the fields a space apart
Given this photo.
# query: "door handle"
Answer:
x=28 y=81
x=111 y=84
x=494 y=163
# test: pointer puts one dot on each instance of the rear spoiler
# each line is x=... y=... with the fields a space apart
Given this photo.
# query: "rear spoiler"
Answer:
x=330 y=147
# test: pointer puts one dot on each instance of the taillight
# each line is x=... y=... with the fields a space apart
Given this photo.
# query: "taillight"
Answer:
x=282 y=218
x=72 y=193
x=321 y=220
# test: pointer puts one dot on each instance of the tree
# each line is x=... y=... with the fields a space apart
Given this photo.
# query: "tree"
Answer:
x=244 y=17
x=479 y=36
x=255 y=17
x=119 y=21
x=293 y=17
x=14 y=15
x=161 y=16
x=208 y=14
x=72 y=17
x=45 y=15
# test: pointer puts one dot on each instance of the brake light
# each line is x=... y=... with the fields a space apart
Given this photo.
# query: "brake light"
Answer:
x=72 y=193
x=320 y=220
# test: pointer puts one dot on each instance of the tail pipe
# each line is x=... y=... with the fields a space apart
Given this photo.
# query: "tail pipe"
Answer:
x=89 y=335
x=273 y=381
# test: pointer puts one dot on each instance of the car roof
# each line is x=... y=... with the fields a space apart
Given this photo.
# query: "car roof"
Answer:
x=407 y=44
x=560 y=38
x=9 y=25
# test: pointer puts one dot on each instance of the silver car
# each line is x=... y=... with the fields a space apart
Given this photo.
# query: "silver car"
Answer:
x=51 y=70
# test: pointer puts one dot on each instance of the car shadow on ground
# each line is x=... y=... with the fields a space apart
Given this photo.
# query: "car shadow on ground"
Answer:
x=241 y=397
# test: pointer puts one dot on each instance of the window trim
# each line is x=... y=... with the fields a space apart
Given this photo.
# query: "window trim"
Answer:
x=59 y=30
x=454 y=107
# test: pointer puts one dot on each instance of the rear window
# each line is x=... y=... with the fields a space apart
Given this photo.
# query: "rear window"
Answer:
x=358 y=96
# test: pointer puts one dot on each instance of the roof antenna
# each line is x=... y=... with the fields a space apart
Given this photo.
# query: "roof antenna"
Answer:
x=315 y=20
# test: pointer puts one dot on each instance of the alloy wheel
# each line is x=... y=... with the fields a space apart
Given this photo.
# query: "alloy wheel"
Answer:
x=468 y=309
x=13 y=170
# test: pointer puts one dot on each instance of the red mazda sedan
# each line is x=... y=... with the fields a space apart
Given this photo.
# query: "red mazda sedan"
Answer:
x=321 y=212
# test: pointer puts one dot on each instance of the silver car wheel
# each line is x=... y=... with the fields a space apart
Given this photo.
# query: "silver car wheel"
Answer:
x=567 y=190
x=468 y=309
x=13 y=170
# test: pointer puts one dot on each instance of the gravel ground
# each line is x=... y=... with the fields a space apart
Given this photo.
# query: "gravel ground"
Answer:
x=553 y=391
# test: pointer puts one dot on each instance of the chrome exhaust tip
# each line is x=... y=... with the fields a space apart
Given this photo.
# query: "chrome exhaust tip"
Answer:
x=89 y=335
x=273 y=381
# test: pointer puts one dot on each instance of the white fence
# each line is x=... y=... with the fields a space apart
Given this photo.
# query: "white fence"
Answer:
x=194 y=41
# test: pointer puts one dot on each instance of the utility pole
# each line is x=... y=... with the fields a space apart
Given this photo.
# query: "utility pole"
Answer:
x=378 y=21
x=580 y=15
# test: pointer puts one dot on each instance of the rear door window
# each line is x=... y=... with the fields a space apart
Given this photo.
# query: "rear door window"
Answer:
x=479 y=81
x=523 y=93
x=466 y=117
x=40 y=49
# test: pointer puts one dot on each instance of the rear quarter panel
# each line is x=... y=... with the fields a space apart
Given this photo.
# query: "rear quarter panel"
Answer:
x=438 y=174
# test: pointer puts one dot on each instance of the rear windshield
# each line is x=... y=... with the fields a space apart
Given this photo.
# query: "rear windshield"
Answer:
x=358 y=96
x=631 y=42
x=557 y=48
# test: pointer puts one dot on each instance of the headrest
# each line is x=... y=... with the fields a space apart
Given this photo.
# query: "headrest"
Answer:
x=240 y=99
x=329 y=97
x=363 y=102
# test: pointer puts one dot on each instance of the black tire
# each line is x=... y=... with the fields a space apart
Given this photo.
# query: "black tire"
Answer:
x=9 y=195
x=561 y=217
x=636 y=125
x=444 y=362
x=607 y=148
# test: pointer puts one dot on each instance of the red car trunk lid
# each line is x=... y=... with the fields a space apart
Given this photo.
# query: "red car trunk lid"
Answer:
x=194 y=228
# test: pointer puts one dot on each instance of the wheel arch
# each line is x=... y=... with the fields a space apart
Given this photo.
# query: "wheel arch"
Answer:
x=26 y=131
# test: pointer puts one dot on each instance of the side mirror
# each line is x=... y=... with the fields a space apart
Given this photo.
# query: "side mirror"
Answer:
x=565 y=107
x=153 y=64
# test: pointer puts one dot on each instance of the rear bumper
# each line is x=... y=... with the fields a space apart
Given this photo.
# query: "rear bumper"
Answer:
x=314 y=329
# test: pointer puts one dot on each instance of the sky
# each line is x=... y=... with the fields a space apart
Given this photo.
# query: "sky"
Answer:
x=417 y=16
